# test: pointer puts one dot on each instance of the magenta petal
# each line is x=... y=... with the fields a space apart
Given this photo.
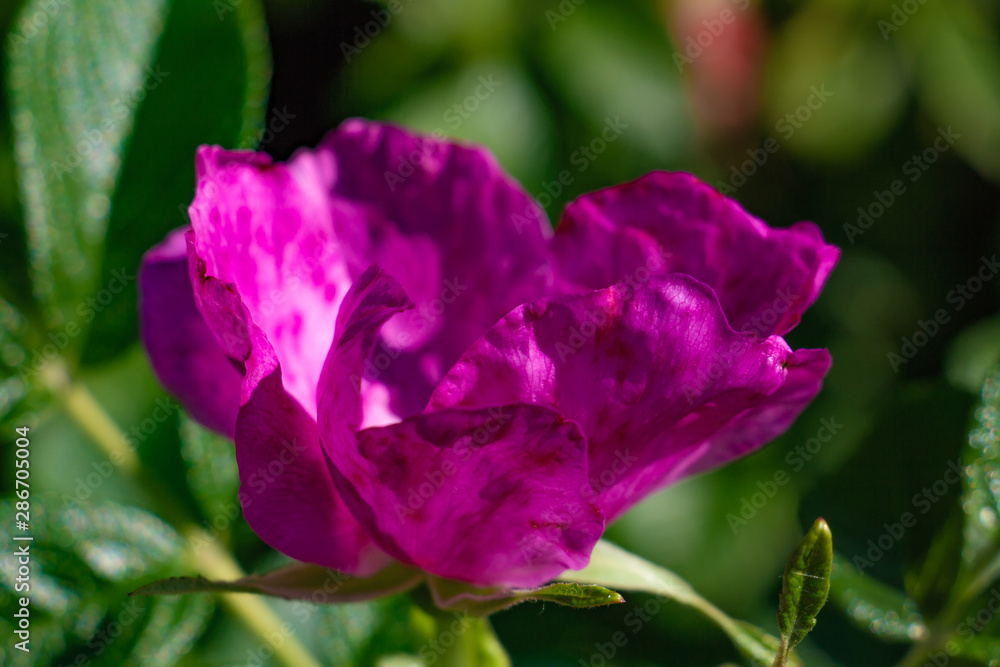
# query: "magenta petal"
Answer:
x=469 y=243
x=494 y=497
x=286 y=489
x=183 y=353
x=466 y=242
x=673 y=223
x=660 y=383
x=266 y=231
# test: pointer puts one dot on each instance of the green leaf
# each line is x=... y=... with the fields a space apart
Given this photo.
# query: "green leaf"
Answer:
x=980 y=492
x=452 y=595
x=615 y=568
x=84 y=561
x=805 y=587
x=874 y=607
x=74 y=86
x=580 y=596
x=302 y=581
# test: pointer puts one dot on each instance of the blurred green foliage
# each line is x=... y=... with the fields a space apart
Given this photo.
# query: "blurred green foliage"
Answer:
x=898 y=74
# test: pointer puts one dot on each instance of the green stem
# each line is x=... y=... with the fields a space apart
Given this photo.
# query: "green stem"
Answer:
x=781 y=657
x=456 y=639
x=211 y=560
x=474 y=643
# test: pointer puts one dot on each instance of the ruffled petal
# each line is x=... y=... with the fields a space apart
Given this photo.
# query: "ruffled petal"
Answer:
x=660 y=383
x=497 y=496
x=182 y=350
x=673 y=223
x=469 y=244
